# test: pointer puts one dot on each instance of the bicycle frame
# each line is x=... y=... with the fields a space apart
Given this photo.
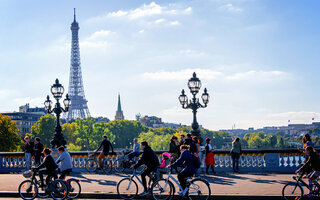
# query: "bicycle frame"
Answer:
x=135 y=175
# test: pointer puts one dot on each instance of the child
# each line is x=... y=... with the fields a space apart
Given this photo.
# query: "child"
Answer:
x=164 y=162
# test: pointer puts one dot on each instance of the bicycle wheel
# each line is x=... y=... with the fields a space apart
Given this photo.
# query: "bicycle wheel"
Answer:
x=107 y=166
x=162 y=189
x=28 y=190
x=127 y=188
x=118 y=165
x=91 y=165
x=292 y=191
x=42 y=193
x=74 y=188
x=58 y=189
x=199 y=189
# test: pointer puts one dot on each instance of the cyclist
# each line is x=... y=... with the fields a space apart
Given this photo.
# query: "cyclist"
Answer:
x=50 y=165
x=135 y=150
x=106 y=144
x=65 y=163
x=313 y=165
x=150 y=159
x=186 y=160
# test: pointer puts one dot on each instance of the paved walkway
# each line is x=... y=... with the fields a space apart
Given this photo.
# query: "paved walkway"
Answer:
x=221 y=184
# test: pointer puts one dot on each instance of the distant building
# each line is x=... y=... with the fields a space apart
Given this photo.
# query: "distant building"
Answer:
x=101 y=119
x=155 y=122
x=119 y=113
x=26 y=118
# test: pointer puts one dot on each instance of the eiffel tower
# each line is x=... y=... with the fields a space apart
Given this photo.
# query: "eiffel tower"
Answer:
x=78 y=108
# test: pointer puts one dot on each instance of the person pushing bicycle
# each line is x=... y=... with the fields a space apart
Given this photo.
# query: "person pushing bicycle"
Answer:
x=186 y=160
x=106 y=144
x=312 y=167
x=150 y=159
x=50 y=165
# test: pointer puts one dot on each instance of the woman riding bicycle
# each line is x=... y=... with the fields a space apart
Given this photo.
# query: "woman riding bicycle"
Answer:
x=312 y=167
x=186 y=160
x=50 y=165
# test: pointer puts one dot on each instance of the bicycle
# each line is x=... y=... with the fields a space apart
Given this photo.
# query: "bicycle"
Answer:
x=74 y=187
x=127 y=188
x=29 y=189
x=197 y=188
x=91 y=164
x=122 y=162
x=294 y=190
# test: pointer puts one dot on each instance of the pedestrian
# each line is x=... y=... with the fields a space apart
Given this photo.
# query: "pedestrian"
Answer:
x=235 y=154
x=209 y=159
x=174 y=147
x=38 y=148
x=182 y=140
x=28 y=151
x=306 y=141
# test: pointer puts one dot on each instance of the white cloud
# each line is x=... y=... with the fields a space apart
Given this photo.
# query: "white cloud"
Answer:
x=230 y=8
x=158 y=21
x=174 y=23
x=37 y=101
x=119 y=13
x=98 y=39
x=141 y=31
x=266 y=75
x=146 y=10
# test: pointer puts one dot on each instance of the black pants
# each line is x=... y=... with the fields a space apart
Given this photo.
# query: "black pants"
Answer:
x=65 y=173
x=37 y=159
x=145 y=173
x=182 y=178
x=212 y=168
x=50 y=175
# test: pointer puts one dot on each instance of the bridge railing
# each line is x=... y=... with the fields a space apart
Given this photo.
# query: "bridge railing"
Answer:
x=251 y=160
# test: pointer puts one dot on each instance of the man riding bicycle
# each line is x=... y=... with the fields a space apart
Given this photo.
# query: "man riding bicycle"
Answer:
x=50 y=165
x=106 y=144
x=186 y=160
x=312 y=167
x=65 y=163
x=150 y=159
x=135 y=150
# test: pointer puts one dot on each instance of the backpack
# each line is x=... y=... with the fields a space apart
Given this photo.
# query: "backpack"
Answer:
x=196 y=161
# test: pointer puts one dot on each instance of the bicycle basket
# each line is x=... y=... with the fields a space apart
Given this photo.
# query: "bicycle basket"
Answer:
x=27 y=174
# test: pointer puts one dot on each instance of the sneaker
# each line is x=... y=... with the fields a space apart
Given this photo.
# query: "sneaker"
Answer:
x=143 y=193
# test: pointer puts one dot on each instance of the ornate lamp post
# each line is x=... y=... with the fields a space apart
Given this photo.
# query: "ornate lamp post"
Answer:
x=57 y=91
x=194 y=85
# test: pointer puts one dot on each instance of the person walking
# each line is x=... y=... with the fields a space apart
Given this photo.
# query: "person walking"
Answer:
x=209 y=159
x=38 y=148
x=28 y=151
x=174 y=147
x=235 y=154
x=105 y=144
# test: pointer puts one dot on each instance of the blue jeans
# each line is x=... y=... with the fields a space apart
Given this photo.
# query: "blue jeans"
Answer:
x=28 y=160
x=235 y=161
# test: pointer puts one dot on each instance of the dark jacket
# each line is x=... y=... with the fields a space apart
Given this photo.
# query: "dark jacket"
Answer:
x=106 y=144
x=38 y=146
x=174 y=148
x=192 y=144
x=148 y=158
x=185 y=160
x=48 y=163
x=312 y=163
x=28 y=148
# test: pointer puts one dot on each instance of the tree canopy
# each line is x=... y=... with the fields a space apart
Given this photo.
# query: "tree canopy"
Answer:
x=9 y=138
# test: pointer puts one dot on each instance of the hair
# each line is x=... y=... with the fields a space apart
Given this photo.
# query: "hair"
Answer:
x=37 y=139
x=305 y=139
x=187 y=147
x=47 y=151
x=144 y=143
x=208 y=140
x=309 y=148
x=26 y=137
x=104 y=136
x=172 y=138
x=182 y=135
x=237 y=139
x=189 y=135
x=61 y=148
x=195 y=139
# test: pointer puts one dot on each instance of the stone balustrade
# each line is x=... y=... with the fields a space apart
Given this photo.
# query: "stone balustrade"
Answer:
x=251 y=160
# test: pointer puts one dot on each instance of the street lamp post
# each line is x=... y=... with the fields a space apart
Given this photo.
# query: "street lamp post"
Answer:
x=194 y=85
x=57 y=92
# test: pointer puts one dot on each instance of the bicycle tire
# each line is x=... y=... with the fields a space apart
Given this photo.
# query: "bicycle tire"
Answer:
x=118 y=165
x=107 y=166
x=28 y=194
x=72 y=184
x=123 y=184
x=158 y=192
x=91 y=165
x=59 y=189
x=42 y=193
x=290 y=191
x=199 y=189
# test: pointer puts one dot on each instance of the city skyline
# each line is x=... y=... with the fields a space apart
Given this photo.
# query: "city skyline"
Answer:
x=258 y=59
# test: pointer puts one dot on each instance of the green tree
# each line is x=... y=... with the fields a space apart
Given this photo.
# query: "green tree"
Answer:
x=44 y=129
x=68 y=131
x=9 y=138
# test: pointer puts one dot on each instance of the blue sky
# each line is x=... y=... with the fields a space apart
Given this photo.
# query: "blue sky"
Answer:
x=258 y=59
